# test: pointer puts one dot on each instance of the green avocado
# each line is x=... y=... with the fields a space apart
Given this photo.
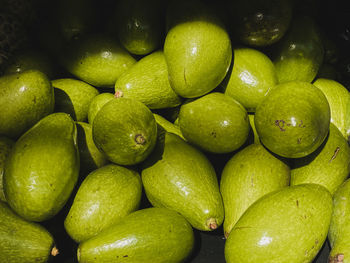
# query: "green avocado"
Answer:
x=339 y=230
x=329 y=165
x=293 y=119
x=42 y=168
x=287 y=225
x=25 y=98
x=73 y=96
x=147 y=235
x=22 y=241
x=180 y=177
x=300 y=53
x=216 y=123
x=6 y=145
x=96 y=59
x=253 y=75
x=197 y=49
x=125 y=131
x=163 y=125
x=139 y=25
x=250 y=174
x=147 y=80
x=105 y=196
x=97 y=103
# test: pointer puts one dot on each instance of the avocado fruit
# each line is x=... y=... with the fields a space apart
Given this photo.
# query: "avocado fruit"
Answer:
x=97 y=103
x=163 y=125
x=6 y=145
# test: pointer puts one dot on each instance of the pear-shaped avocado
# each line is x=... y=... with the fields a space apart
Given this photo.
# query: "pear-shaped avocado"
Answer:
x=96 y=59
x=106 y=195
x=22 y=241
x=288 y=225
x=147 y=80
x=73 y=96
x=252 y=76
x=197 y=49
x=329 y=165
x=125 y=131
x=293 y=119
x=140 y=25
x=339 y=230
x=300 y=53
x=250 y=174
x=180 y=177
x=6 y=145
x=163 y=125
x=215 y=122
x=42 y=168
x=91 y=157
x=25 y=98
x=339 y=102
x=147 y=235
x=97 y=103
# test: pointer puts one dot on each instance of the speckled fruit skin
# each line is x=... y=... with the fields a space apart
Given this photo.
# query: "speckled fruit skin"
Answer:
x=215 y=123
x=147 y=235
x=293 y=120
x=295 y=217
x=250 y=174
x=118 y=127
x=329 y=165
x=180 y=177
x=25 y=98
x=42 y=168
x=339 y=230
x=105 y=196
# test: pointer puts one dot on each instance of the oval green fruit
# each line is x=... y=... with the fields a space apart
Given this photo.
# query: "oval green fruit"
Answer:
x=147 y=235
x=105 y=196
x=296 y=217
x=293 y=119
x=250 y=174
x=97 y=103
x=6 y=145
x=125 y=131
x=42 y=168
x=180 y=177
x=215 y=123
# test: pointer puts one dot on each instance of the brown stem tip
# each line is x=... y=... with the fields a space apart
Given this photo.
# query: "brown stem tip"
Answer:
x=338 y=258
x=118 y=94
x=211 y=223
x=54 y=251
x=139 y=139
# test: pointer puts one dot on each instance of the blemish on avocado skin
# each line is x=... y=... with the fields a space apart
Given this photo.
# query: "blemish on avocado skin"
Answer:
x=125 y=256
x=299 y=140
x=335 y=154
x=280 y=124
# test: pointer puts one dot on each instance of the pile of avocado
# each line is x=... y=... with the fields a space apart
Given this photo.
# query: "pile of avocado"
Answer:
x=133 y=125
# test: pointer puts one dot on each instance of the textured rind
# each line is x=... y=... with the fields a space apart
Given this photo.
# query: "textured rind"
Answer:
x=295 y=217
x=156 y=235
x=180 y=177
x=22 y=241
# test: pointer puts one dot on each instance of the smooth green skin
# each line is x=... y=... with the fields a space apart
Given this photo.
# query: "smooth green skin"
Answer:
x=156 y=235
x=117 y=127
x=25 y=98
x=180 y=177
x=300 y=53
x=73 y=96
x=105 y=196
x=97 y=60
x=260 y=23
x=147 y=80
x=198 y=54
x=167 y=126
x=215 y=123
x=42 y=168
x=6 y=145
x=339 y=101
x=30 y=59
x=250 y=174
x=22 y=241
x=339 y=231
x=91 y=158
x=97 y=103
x=139 y=25
x=252 y=125
x=253 y=75
x=294 y=217
x=293 y=120
x=328 y=166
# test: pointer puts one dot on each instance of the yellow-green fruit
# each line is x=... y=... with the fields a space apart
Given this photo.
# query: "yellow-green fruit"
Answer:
x=6 y=145
x=163 y=125
x=97 y=103
x=288 y=225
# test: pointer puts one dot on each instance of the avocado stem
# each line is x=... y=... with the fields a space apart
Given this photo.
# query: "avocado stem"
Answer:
x=139 y=139
x=54 y=251
x=118 y=94
x=211 y=223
